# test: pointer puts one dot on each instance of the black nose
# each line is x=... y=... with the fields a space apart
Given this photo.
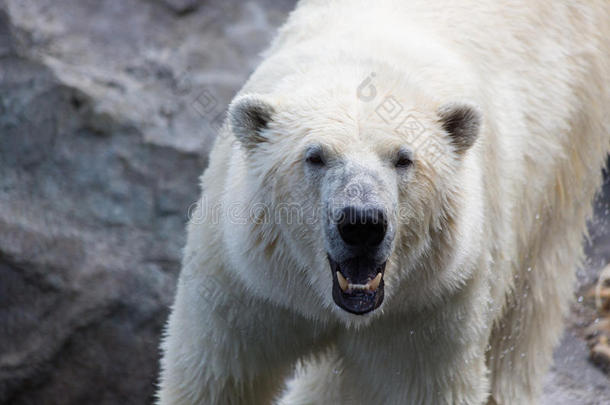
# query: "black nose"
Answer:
x=362 y=226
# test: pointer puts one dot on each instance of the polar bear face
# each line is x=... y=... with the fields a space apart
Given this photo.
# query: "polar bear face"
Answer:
x=361 y=193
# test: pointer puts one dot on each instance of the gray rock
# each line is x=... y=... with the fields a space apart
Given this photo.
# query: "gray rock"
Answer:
x=182 y=6
x=572 y=379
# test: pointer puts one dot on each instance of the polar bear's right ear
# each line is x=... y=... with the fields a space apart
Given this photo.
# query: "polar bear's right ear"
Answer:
x=249 y=116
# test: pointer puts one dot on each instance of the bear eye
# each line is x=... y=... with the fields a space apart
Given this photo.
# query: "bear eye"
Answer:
x=314 y=156
x=403 y=159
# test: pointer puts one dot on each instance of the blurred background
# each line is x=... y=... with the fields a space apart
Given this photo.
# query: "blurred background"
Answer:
x=108 y=110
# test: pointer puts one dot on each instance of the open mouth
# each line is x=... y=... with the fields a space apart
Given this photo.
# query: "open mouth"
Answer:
x=357 y=284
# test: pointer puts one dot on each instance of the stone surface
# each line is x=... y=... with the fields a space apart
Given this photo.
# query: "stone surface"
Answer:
x=182 y=6
x=573 y=380
x=107 y=112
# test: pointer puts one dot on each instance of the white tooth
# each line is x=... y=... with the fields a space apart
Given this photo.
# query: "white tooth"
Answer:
x=342 y=281
x=374 y=283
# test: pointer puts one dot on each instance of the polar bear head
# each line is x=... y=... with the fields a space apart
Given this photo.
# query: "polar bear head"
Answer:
x=368 y=171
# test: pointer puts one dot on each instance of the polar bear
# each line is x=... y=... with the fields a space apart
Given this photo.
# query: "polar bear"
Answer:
x=395 y=206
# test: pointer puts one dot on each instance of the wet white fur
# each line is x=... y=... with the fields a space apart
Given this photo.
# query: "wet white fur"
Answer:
x=482 y=271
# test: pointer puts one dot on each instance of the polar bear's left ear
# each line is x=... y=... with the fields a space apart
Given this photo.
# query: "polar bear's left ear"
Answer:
x=462 y=122
x=249 y=116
